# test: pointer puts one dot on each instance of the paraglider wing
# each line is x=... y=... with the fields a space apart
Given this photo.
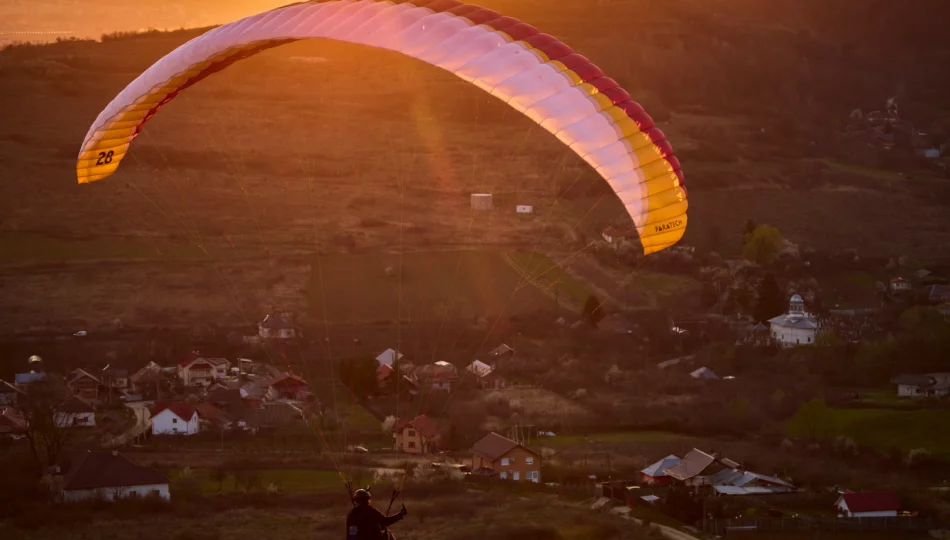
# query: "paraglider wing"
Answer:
x=533 y=72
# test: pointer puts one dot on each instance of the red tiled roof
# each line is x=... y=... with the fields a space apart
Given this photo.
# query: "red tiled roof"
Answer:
x=288 y=379
x=876 y=501
x=422 y=423
x=383 y=371
x=211 y=413
x=189 y=358
x=181 y=409
x=92 y=470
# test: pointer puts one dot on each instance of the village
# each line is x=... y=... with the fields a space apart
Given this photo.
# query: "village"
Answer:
x=92 y=428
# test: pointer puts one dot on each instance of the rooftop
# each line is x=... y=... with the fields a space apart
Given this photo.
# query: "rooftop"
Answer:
x=422 y=423
x=656 y=470
x=388 y=356
x=181 y=409
x=74 y=405
x=876 y=501
x=493 y=446
x=275 y=322
x=695 y=462
x=92 y=470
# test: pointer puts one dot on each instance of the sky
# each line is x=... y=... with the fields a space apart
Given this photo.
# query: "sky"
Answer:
x=43 y=20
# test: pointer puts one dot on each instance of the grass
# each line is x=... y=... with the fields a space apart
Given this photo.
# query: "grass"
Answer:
x=292 y=481
x=613 y=437
x=870 y=172
x=458 y=284
x=29 y=247
x=882 y=429
x=549 y=277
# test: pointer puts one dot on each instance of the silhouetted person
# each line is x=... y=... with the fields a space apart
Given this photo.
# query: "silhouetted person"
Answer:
x=367 y=523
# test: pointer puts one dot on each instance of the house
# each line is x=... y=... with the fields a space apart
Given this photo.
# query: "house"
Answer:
x=439 y=376
x=486 y=375
x=500 y=352
x=695 y=468
x=938 y=294
x=654 y=475
x=922 y=385
x=275 y=415
x=8 y=394
x=735 y=481
x=147 y=380
x=524 y=209
x=508 y=459
x=115 y=378
x=421 y=435
x=383 y=372
x=109 y=476
x=75 y=412
x=797 y=327
x=12 y=423
x=482 y=201
x=703 y=373
x=112 y=421
x=900 y=285
x=83 y=384
x=196 y=370
x=275 y=326
x=870 y=504
x=389 y=357
x=290 y=386
x=177 y=418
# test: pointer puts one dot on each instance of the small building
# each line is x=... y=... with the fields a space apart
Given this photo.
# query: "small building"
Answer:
x=440 y=375
x=389 y=357
x=75 y=412
x=654 y=475
x=508 y=459
x=735 y=481
x=797 y=327
x=109 y=476
x=524 y=209
x=274 y=416
x=922 y=385
x=275 y=326
x=937 y=294
x=869 y=504
x=900 y=285
x=618 y=237
x=695 y=468
x=211 y=417
x=383 y=372
x=115 y=378
x=420 y=435
x=482 y=201
x=178 y=418
x=500 y=352
x=290 y=386
x=196 y=370
x=83 y=384
x=487 y=376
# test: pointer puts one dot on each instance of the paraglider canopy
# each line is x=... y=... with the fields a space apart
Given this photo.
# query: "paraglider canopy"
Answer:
x=533 y=72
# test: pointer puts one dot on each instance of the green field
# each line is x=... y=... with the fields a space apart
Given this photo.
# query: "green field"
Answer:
x=458 y=284
x=882 y=429
x=613 y=437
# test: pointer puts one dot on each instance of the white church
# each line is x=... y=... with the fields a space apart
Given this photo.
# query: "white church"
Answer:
x=797 y=327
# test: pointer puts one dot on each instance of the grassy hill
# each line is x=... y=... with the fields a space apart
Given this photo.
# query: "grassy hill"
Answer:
x=322 y=146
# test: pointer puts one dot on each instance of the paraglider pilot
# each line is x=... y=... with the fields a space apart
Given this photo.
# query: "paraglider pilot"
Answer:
x=364 y=522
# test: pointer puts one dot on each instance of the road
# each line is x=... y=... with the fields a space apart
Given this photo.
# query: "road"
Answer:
x=142 y=425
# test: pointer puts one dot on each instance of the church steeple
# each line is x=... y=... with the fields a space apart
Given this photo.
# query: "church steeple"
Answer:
x=796 y=307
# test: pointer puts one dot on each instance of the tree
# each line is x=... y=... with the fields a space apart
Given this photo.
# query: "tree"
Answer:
x=359 y=375
x=763 y=244
x=220 y=474
x=771 y=301
x=46 y=437
x=593 y=310
x=814 y=420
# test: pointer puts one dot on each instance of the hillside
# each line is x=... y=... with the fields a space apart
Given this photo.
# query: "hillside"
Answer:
x=322 y=146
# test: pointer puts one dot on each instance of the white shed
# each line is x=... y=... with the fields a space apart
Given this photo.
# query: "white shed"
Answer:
x=524 y=209
x=482 y=201
x=179 y=418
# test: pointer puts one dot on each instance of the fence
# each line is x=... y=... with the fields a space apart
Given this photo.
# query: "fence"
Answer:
x=868 y=524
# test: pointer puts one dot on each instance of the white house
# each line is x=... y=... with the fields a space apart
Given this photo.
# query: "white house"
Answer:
x=74 y=412
x=388 y=357
x=177 y=418
x=196 y=370
x=923 y=385
x=871 y=504
x=109 y=476
x=797 y=327
x=275 y=326
x=524 y=209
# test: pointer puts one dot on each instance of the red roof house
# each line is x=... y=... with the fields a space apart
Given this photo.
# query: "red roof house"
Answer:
x=420 y=435
x=868 y=504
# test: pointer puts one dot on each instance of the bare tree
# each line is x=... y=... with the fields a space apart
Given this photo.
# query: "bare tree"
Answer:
x=46 y=435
